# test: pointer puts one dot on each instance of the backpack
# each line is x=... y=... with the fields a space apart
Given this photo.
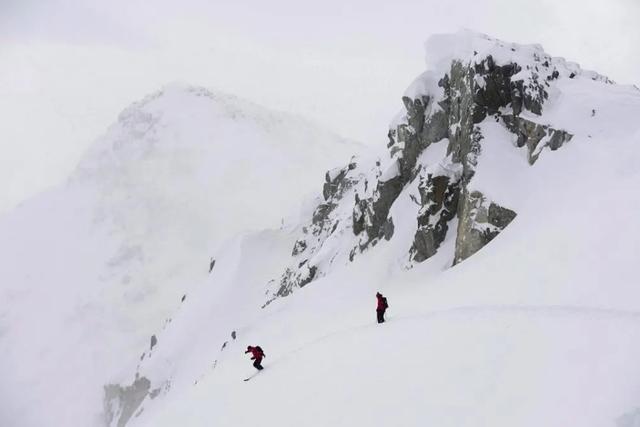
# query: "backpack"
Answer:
x=260 y=350
x=384 y=300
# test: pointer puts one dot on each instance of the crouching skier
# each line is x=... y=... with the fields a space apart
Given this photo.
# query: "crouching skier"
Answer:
x=381 y=307
x=257 y=355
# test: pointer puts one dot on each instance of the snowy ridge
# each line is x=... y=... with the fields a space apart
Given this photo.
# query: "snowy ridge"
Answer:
x=530 y=197
x=92 y=269
x=474 y=82
x=472 y=47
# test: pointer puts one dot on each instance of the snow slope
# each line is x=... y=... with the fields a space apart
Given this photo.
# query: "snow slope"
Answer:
x=539 y=327
x=91 y=269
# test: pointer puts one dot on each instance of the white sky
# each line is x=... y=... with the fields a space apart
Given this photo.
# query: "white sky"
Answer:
x=68 y=67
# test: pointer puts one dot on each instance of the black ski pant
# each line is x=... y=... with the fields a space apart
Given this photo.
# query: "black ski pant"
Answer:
x=380 y=314
x=257 y=364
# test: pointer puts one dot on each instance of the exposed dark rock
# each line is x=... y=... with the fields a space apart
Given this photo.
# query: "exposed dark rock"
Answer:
x=321 y=214
x=464 y=135
x=299 y=247
x=312 y=273
x=154 y=341
x=297 y=278
x=496 y=92
x=387 y=192
x=469 y=94
x=387 y=229
x=359 y=215
x=500 y=217
x=535 y=136
x=409 y=133
x=371 y=214
x=479 y=221
x=331 y=186
x=124 y=400
x=439 y=200
x=334 y=187
x=425 y=125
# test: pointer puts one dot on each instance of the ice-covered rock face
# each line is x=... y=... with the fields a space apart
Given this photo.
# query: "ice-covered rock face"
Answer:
x=473 y=83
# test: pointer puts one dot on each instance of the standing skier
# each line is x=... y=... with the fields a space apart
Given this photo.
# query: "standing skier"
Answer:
x=381 y=307
x=256 y=354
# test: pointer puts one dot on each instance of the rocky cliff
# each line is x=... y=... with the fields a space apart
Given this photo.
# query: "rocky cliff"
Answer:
x=474 y=83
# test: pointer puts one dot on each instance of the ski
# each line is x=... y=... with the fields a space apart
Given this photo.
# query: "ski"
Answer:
x=248 y=378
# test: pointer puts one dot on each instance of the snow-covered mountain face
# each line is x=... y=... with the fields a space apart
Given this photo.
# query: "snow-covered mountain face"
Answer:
x=501 y=223
x=93 y=268
x=482 y=100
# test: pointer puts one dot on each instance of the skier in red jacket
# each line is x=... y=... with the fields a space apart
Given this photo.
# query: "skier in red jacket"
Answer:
x=256 y=354
x=381 y=307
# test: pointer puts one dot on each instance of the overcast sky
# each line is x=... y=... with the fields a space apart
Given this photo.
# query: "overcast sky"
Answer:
x=68 y=67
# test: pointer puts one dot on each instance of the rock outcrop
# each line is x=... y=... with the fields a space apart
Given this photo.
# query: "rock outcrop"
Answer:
x=121 y=403
x=477 y=81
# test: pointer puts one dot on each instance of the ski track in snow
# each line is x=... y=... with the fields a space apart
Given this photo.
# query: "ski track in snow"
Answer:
x=556 y=311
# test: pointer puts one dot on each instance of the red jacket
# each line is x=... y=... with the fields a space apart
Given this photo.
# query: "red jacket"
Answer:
x=256 y=352
x=382 y=303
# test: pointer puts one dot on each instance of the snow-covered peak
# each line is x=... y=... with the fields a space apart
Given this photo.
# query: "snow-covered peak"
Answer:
x=186 y=100
x=181 y=118
x=95 y=267
x=473 y=48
